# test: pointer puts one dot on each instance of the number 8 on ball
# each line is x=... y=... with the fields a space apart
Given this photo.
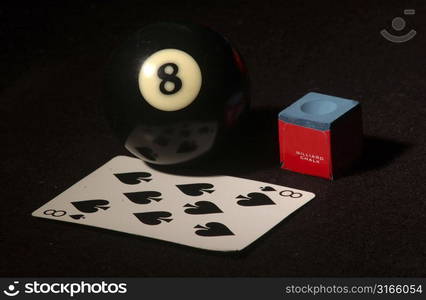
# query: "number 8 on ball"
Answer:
x=170 y=79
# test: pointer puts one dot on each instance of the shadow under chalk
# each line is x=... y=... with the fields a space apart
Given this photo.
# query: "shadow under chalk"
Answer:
x=379 y=153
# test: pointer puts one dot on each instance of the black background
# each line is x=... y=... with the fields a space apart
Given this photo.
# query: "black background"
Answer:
x=53 y=132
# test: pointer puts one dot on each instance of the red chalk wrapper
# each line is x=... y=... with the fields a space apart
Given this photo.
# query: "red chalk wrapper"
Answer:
x=320 y=135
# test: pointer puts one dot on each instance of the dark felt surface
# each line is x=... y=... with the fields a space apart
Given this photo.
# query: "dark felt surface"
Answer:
x=53 y=132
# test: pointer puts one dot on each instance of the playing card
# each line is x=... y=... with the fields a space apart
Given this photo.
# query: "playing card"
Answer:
x=221 y=213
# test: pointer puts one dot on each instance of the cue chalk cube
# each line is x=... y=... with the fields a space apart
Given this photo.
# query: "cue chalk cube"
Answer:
x=320 y=135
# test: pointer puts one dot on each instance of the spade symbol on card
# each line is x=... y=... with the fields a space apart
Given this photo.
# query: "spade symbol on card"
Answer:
x=213 y=229
x=144 y=197
x=161 y=141
x=77 y=217
x=185 y=133
x=169 y=131
x=148 y=153
x=201 y=208
x=203 y=130
x=267 y=189
x=254 y=199
x=154 y=217
x=133 y=177
x=90 y=206
x=187 y=146
x=196 y=189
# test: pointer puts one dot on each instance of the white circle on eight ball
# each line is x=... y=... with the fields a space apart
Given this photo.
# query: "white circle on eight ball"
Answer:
x=170 y=79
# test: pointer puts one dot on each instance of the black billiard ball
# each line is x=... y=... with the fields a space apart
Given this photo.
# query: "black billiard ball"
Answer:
x=174 y=91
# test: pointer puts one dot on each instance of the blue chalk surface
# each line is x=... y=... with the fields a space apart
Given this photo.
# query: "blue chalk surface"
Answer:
x=317 y=111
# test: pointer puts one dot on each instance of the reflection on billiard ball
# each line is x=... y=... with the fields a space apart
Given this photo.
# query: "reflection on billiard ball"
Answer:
x=174 y=91
x=180 y=143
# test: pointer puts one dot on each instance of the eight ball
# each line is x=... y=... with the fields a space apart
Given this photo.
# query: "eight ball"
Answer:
x=174 y=90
